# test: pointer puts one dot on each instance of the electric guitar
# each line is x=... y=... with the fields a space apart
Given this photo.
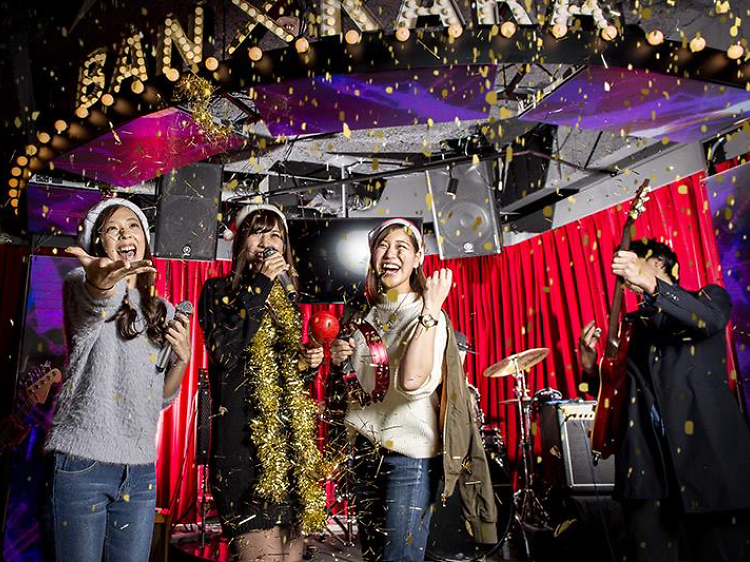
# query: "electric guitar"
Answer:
x=12 y=428
x=612 y=369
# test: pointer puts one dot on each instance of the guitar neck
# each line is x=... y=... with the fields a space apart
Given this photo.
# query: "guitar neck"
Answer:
x=613 y=332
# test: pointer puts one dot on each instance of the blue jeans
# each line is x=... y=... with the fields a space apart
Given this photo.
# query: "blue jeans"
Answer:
x=395 y=495
x=101 y=511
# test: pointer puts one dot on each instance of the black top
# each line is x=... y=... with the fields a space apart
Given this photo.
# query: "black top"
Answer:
x=683 y=432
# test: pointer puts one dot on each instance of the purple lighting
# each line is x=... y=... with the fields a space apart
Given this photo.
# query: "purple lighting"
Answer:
x=144 y=148
x=642 y=104
x=365 y=101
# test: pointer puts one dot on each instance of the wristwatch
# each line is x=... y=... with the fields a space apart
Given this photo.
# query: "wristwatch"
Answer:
x=427 y=320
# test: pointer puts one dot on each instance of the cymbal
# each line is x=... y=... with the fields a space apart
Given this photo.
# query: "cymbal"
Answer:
x=525 y=360
x=514 y=401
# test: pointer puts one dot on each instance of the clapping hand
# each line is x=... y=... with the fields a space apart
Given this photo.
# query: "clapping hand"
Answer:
x=102 y=274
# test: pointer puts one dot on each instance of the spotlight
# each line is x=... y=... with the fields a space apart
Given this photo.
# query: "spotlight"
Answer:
x=352 y=37
x=255 y=53
x=697 y=44
x=508 y=29
x=735 y=51
x=302 y=45
x=452 y=188
x=559 y=30
x=402 y=33
x=655 y=38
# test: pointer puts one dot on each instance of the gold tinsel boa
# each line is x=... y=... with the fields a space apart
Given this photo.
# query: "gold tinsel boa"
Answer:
x=284 y=430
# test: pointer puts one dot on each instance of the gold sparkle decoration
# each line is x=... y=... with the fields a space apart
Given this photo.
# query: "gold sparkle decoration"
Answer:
x=284 y=431
x=197 y=92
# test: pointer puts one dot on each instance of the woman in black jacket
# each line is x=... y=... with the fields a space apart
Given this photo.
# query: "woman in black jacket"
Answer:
x=265 y=466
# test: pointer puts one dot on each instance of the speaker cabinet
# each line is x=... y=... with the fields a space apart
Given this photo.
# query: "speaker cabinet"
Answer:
x=463 y=209
x=566 y=452
x=186 y=219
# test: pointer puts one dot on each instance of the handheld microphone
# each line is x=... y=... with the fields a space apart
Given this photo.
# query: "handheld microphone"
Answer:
x=283 y=277
x=162 y=357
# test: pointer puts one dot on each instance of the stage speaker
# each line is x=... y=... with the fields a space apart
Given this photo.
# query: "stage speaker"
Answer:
x=203 y=419
x=463 y=210
x=186 y=219
x=566 y=452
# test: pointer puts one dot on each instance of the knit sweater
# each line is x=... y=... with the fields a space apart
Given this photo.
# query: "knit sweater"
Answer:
x=405 y=422
x=112 y=394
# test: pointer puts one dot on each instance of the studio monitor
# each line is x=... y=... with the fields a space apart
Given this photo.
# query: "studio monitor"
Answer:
x=186 y=220
x=566 y=452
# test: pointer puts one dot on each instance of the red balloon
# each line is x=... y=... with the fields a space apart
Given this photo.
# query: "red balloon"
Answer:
x=324 y=327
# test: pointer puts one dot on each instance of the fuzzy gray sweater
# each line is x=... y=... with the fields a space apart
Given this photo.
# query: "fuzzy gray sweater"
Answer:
x=112 y=394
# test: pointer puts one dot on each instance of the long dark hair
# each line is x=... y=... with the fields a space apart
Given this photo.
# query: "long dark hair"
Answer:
x=258 y=222
x=417 y=280
x=154 y=310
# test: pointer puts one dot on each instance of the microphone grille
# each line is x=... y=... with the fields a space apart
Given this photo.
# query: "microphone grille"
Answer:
x=185 y=307
x=268 y=251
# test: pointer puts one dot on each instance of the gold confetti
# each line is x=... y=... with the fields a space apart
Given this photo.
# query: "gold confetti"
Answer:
x=688 y=427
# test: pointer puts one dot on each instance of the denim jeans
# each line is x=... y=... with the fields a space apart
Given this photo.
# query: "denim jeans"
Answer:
x=395 y=495
x=100 y=511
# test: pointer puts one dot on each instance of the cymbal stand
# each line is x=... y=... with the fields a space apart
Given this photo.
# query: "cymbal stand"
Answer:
x=528 y=507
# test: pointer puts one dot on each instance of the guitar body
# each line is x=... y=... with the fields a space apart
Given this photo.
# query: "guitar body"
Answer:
x=610 y=405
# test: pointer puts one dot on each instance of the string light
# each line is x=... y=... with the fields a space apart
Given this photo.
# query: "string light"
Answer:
x=352 y=37
x=655 y=37
x=559 y=30
x=609 y=33
x=508 y=29
x=302 y=45
x=735 y=51
x=697 y=43
x=108 y=99
x=403 y=33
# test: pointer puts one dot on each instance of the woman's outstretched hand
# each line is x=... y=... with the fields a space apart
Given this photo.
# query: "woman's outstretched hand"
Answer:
x=102 y=274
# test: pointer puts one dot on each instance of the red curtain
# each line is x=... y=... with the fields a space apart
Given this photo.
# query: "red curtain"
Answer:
x=538 y=293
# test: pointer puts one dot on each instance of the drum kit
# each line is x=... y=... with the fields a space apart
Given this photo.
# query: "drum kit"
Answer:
x=449 y=540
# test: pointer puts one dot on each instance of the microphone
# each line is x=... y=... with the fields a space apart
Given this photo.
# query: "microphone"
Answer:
x=162 y=357
x=283 y=277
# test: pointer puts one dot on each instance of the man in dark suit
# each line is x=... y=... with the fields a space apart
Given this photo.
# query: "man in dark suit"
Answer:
x=683 y=457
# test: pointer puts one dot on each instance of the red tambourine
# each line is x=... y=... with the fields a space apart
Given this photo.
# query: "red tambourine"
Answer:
x=379 y=361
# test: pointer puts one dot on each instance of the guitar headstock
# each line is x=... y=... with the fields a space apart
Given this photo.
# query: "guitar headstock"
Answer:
x=40 y=380
x=638 y=204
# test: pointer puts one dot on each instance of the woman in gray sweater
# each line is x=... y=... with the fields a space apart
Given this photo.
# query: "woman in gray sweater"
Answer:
x=103 y=489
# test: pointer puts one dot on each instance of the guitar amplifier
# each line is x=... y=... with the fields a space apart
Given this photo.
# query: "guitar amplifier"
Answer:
x=567 y=463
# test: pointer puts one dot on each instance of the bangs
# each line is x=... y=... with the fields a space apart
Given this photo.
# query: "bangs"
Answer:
x=263 y=221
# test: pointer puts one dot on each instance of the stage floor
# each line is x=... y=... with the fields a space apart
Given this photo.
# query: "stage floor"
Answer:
x=185 y=546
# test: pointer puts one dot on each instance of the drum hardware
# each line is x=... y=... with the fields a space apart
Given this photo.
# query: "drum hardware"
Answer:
x=528 y=507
